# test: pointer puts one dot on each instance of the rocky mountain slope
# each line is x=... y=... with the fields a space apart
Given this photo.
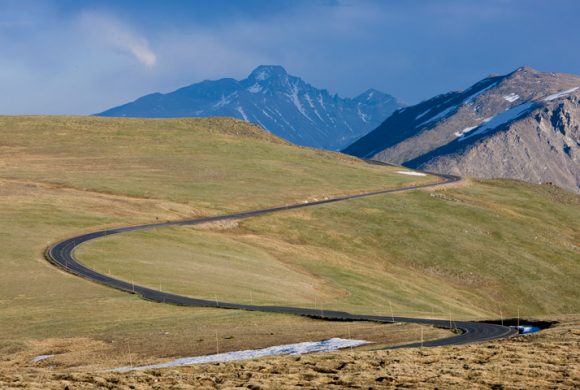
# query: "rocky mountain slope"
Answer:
x=524 y=125
x=270 y=97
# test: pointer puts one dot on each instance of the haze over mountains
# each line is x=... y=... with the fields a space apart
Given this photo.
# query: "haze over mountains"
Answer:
x=281 y=103
x=524 y=125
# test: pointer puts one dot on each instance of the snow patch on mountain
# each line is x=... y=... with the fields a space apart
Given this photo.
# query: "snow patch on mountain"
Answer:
x=40 y=358
x=242 y=113
x=283 y=104
x=362 y=116
x=529 y=132
x=288 y=349
x=468 y=129
x=512 y=97
x=471 y=98
x=222 y=102
x=255 y=88
x=309 y=100
x=411 y=173
x=321 y=101
x=501 y=119
x=421 y=115
x=560 y=94
x=452 y=109
x=261 y=75
x=448 y=111
x=464 y=131
x=293 y=95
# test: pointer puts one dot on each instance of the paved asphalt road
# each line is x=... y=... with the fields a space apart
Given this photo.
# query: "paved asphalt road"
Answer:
x=61 y=255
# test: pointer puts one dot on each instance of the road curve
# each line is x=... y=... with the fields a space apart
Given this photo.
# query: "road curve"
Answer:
x=61 y=255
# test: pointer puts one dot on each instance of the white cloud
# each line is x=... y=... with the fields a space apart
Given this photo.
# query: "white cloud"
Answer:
x=298 y=39
x=109 y=31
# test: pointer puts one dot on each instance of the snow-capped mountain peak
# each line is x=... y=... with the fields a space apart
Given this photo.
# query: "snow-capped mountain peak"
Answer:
x=268 y=72
x=284 y=104
x=521 y=125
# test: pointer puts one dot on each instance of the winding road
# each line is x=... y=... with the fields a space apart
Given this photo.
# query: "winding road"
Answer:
x=61 y=255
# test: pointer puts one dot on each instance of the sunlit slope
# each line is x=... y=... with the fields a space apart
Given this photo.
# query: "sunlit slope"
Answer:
x=487 y=249
x=61 y=176
x=206 y=163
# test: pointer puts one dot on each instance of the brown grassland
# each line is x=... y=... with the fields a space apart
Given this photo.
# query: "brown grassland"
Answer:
x=546 y=360
x=486 y=249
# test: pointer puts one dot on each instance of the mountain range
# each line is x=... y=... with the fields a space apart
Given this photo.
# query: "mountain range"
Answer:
x=523 y=125
x=281 y=103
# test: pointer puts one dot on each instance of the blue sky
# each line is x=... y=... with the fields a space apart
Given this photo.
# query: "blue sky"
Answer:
x=81 y=57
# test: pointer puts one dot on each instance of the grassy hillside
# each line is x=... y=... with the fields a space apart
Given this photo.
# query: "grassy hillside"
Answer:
x=207 y=164
x=487 y=249
x=545 y=360
x=482 y=250
x=61 y=176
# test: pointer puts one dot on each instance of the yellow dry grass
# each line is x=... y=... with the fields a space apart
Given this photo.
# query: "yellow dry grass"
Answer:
x=63 y=176
x=208 y=164
x=549 y=359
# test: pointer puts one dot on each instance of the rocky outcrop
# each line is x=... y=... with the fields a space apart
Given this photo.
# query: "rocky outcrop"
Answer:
x=543 y=147
x=524 y=125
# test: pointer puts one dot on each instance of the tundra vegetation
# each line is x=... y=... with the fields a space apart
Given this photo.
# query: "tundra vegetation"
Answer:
x=485 y=249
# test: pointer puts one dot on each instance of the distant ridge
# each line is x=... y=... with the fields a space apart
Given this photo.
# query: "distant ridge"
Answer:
x=284 y=104
x=523 y=125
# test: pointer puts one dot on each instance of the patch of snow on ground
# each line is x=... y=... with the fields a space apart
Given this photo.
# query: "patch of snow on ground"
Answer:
x=512 y=97
x=309 y=100
x=422 y=115
x=268 y=115
x=223 y=101
x=411 y=173
x=442 y=114
x=465 y=131
x=468 y=129
x=361 y=115
x=288 y=349
x=40 y=358
x=296 y=100
x=318 y=114
x=349 y=126
x=498 y=120
x=262 y=75
x=560 y=94
x=242 y=113
x=255 y=88
x=321 y=101
x=471 y=98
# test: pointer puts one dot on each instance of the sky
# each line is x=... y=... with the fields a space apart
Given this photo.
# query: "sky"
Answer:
x=81 y=57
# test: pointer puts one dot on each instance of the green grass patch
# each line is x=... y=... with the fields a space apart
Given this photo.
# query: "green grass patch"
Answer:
x=62 y=176
x=207 y=163
x=491 y=249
